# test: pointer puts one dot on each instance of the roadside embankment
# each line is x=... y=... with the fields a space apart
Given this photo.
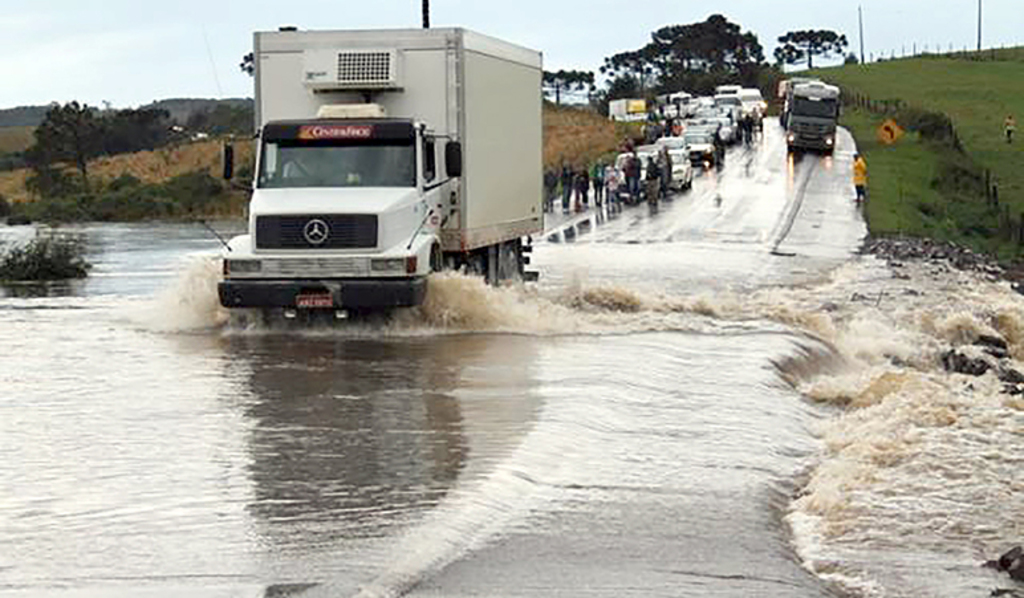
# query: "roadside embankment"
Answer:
x=952 y=176
x=579 y=136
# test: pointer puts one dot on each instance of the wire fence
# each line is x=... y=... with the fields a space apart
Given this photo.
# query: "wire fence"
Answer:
x=1013 y=54
x=938 y=127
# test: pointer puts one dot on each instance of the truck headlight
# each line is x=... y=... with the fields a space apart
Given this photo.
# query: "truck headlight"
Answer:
x=242 y=266
x=791 y=137
x=389 y=264
x=829 y=141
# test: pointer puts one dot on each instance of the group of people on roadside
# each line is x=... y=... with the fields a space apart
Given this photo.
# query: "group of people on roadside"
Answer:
x=656 y=174
x=574 y=186
x=638 y=177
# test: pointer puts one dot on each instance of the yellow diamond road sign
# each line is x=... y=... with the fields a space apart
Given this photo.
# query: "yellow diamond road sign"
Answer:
x=890 y=132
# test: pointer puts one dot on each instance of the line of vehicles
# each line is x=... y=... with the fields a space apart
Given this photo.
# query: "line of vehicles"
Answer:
x=684 y=132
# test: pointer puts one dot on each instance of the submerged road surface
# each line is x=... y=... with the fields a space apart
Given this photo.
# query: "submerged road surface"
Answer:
x=612 y=431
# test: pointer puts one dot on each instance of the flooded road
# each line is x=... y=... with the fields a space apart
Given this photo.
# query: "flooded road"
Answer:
x=663 y=415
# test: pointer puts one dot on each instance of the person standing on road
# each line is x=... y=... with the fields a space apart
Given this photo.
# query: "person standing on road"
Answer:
x=666 y=172
x=860 y=177
x=566 y=186
x=653 y=181
x=550 y=188
x=611 y=185
x=597 y=179
x=1010 y=125
x=582 y=188
x=633 y=177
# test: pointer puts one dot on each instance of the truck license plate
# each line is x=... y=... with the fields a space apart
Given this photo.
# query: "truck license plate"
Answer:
x=310 y=300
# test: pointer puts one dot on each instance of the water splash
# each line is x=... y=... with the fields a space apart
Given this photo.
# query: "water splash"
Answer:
x=190 y=303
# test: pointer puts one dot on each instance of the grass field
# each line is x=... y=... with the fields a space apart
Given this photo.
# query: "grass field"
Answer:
x=15 y=139
x=977 y=95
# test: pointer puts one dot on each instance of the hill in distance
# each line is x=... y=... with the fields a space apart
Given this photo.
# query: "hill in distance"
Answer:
x=179 y=108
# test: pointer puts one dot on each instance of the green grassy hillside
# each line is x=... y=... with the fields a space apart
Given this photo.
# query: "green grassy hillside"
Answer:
x=977 y=95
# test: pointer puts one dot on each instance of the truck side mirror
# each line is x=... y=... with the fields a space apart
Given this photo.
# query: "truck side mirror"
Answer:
x=453 y=158
x=229 y=161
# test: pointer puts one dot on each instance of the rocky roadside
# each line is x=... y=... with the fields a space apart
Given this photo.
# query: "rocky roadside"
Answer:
x=896 y=250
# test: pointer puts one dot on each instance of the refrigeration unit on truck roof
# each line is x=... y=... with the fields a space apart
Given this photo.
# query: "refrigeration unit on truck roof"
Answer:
x=354 y=69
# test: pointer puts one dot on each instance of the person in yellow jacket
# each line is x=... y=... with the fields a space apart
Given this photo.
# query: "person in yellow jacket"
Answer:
x=860 y=177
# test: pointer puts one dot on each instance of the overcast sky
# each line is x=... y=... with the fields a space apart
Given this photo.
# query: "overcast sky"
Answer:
x=132 y=52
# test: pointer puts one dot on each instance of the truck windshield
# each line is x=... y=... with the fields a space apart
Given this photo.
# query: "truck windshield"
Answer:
x=814 y=108
x=286 y=164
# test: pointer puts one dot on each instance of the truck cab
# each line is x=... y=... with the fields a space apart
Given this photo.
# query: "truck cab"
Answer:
x=343 y=213
x=813 y=114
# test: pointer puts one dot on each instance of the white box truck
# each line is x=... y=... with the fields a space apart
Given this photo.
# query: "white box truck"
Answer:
x=385 y=156
x=627 y=110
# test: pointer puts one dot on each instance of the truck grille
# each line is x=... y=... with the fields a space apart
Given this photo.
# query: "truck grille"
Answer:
x=810 y=128
x=315 y=268
x=339 y=231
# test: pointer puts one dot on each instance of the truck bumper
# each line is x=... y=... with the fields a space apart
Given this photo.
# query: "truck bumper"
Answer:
x=345 y=293
x=825 y=143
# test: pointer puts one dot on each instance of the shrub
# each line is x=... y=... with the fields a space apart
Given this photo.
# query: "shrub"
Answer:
x=45 y=257
x=193 y=191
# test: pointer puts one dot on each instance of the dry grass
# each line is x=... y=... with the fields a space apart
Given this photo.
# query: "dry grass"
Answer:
x=578 y=136
x=159 y=165
x=12 y=185
x=16 y=139
x=150 y=166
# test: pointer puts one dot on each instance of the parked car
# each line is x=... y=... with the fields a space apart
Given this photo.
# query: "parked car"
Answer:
x=682 y=167
x=701 y=146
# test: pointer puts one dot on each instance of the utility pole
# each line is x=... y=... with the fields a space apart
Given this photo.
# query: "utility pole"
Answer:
x=860 y=19
x=426 y=14
x=979 y=25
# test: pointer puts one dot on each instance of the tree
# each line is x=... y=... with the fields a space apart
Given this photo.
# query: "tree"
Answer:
x=797 y=45
x=633 y=65
x=567 y=82
x=69 y=135
x=693 y=57
x=126 y=131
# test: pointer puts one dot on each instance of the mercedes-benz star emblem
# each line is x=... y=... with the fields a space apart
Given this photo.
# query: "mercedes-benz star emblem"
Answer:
x=316 y=231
